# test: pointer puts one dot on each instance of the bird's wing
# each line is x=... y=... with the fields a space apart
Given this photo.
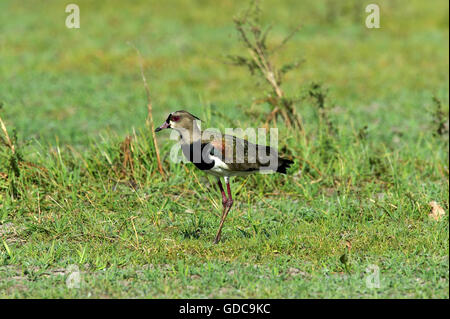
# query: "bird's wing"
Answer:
x=242 y=155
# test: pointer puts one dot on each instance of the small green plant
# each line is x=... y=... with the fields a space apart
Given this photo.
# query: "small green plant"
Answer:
x=327 y=130
x=12 y=156
x=260 y=62
x=194 y=228
x=319 y=94
x=10 y=256
x=440 y=120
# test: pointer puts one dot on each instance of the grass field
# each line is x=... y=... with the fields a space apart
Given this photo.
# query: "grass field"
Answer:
x=69 y=202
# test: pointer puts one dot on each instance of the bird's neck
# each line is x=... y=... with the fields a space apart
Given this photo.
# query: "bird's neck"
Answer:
x=189 y=136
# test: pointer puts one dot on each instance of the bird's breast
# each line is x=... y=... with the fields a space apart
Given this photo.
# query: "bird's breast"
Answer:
x=199 y=154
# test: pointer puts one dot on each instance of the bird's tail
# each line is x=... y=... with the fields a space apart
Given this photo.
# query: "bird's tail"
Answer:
x=283 y=165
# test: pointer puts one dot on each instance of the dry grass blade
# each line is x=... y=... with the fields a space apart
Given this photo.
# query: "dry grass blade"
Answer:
x=149 y=120
x=127 y=157
x=8 y=141
x=135 y=231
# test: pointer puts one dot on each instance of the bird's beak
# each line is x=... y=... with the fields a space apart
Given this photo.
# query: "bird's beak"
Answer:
x=162 y=127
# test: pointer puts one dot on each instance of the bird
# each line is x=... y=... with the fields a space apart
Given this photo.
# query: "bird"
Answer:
x=222 y=156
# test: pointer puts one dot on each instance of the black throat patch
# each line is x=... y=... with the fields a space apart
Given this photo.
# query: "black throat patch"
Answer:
x=199 y=154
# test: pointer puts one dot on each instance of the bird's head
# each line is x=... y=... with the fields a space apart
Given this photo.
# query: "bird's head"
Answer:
x=179 y=120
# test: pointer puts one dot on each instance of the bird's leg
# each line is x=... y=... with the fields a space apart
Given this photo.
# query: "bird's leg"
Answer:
x=224 y=207
x=230 y=199
x=224 y=197
x=227 y=206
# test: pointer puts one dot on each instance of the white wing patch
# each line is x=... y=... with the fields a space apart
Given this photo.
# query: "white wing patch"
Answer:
x=222 y=169
x=219 y=168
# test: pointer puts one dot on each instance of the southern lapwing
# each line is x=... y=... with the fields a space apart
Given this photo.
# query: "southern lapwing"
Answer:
x=222 y=155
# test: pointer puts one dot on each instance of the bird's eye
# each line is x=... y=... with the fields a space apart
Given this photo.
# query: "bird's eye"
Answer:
x=175 y=118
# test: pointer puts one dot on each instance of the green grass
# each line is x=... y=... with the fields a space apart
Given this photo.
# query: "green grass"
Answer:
x=73 y=96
